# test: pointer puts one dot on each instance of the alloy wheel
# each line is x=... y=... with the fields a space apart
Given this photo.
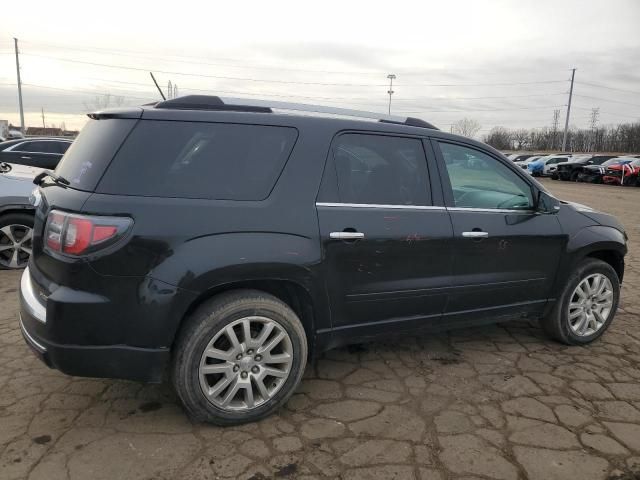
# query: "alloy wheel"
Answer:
x=15 y=245
x=246 y=363
x=590 y=304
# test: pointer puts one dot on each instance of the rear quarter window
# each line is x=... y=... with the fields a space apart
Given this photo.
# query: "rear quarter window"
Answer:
x=199 y=160
x=89 y=155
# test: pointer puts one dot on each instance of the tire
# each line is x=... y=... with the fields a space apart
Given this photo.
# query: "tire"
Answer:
x=558 y=325
x=13 y=228
x=574 y=177
x=554 y=176
x=213 y=319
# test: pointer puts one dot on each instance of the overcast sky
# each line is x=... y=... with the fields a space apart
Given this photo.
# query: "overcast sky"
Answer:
x=499 y=62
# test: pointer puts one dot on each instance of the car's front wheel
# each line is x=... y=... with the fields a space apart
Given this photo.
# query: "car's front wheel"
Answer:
x=238 y=358
x=587 y=305
x=16 y=233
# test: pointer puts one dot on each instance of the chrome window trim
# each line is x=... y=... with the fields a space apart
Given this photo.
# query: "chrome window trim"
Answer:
x=422 y=207
x=489 y=210
x=380 y=206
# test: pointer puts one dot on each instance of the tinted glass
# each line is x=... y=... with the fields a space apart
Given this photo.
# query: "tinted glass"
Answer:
x=384 y=170
x=199 y=160
x=481 y=181
x=37 y=147
x=62 y=147
x=89 y=155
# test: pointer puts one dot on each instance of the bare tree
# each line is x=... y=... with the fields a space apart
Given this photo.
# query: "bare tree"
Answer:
x=520 y=138
x=100 y=102
x=467 y=127
x=500 y=138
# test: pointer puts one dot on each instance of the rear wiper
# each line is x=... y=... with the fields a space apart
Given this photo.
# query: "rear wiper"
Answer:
x=48 y=173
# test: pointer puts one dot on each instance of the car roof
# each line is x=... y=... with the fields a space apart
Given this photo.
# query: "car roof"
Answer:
x=233 y=110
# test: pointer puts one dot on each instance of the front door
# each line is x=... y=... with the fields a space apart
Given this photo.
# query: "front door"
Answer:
x=505 y=253
x=386 y=245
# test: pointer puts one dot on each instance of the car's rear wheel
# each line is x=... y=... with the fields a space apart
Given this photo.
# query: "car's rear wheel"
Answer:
x=587 y=305
x=574 y=176
x=16 y=233
x=238 y=358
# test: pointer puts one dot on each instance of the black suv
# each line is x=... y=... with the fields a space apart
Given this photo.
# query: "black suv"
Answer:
x=227 y=241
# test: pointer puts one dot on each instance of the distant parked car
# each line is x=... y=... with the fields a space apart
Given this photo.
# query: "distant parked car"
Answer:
x=594 y=173
x=627 y=174
x=569 y=171
x=39 y=152
x=525 y=162
x=16 y=214
x=546 y=165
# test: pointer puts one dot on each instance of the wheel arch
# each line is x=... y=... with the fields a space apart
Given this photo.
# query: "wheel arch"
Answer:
x=289 y=291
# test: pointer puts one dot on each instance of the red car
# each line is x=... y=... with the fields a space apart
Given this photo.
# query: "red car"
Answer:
x=627 y=174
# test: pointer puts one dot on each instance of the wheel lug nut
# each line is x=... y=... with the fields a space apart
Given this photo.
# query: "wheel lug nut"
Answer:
x=249 y=352
x=255 y=369
x=239 y=356
x=244 y=374
x=258 y=358
x=236 y=368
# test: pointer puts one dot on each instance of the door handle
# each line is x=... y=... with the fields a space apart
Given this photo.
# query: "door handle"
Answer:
x=25 y=158
x=475 y=234
x=346 y=235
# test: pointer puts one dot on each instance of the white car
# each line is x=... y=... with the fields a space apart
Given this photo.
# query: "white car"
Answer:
x=16 y=214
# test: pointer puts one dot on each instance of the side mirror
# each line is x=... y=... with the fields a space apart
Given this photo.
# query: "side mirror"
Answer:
x=546 y=203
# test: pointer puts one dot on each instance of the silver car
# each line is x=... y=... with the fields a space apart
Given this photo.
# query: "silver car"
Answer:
x=16 y=214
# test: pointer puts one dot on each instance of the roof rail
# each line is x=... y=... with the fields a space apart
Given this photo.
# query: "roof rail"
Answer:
x=211 y=102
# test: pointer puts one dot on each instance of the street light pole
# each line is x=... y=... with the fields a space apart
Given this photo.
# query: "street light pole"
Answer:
x=391 y=77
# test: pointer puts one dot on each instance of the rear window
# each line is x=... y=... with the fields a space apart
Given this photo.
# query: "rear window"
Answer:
x=199 y=160
x=89 y=155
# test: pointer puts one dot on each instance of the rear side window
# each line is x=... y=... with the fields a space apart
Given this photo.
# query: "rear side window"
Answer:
x=200 y=160
x=39 y=146
x=89 y=155
x=381 y=170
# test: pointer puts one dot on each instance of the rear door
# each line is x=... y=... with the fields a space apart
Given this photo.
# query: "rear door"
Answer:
x=386 y=242
x=505 y=253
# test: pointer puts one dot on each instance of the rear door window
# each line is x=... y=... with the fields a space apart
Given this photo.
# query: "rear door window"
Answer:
x=380 y=170
x=199 y=160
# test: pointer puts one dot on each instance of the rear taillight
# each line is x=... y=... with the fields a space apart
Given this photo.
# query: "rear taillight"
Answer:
x=76 y=235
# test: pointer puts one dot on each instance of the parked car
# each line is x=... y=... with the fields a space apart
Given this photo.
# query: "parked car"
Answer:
x=546 y=165
x=229 y=240
x=16 y=214
x=521 y=158
x=569 y=171
x=594 y=173
x=39 y=152
x=623 y=174
x=525 y=162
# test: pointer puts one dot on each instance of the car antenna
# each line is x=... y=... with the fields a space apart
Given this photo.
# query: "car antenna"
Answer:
x=157 y=86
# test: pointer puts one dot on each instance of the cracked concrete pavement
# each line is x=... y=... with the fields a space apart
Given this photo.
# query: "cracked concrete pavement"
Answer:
x=499 y=402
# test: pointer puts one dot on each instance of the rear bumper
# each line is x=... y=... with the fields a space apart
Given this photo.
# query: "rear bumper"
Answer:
x=104 y=361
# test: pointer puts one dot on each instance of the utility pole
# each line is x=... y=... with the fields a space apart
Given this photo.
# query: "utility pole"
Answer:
x=169 y=90
x=566 y=121
x=391 y=77
x=595 y=112
x=556 y=119
x=15 y=45
x=42 y=110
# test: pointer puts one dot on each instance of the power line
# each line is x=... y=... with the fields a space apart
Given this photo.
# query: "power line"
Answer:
x=607 y=100
x=608 y=88
x=291 y=82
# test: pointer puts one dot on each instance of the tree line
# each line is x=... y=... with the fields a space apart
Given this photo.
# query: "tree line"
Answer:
x=624 y=137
